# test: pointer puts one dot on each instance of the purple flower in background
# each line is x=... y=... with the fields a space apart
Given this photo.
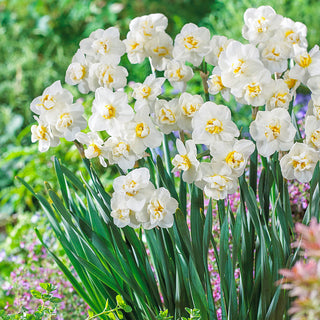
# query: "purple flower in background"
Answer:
x=303 y=100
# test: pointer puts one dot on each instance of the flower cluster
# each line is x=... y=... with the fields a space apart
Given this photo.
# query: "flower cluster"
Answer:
x=136 y=202
x=256 y=74
x=303 y=279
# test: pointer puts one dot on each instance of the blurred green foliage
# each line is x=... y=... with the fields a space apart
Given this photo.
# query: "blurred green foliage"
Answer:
x=38 y=39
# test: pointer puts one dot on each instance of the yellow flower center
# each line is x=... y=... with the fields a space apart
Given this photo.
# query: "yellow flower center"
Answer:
x=300 y=162
x=178 y=74
x=290 y=82
x=134 y=45
x=191 y=43
x=47 y=102
x=145 y=91
x=273 y=129
x=238 y=66
x=42 y=132
x=65 y=120
x=156 y=208
x=166 y=116
x=315 y=138
x=214 y=126
x=189 y=109
x=161 y=51
x=121 y=149
x=96 y=149
x=129 y=188
x=260 y=24
x=253 y=90
x=109 y=112
x=182 y=162
x=234 y=159
x=216 y=82
x=142 y=130
x=304 y=60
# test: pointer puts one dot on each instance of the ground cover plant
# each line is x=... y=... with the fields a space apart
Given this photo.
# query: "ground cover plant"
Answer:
x=136 y=241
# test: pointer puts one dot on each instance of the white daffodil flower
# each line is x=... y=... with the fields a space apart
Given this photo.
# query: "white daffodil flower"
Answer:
x=160 y=208
x=312 y=131
x=217 y=180
x=122 y=215
x=234 y=153
x=215 y=84
x=299 y=163
x=307 y=64
x=166 y=115
x=272 y=131
x=178 y=74
x=159 y=49
x=69 y=122
x=213 y=123
x=108 y=109
x=188 y=105
x=186 y=161
x=292 y=33
x=238 y=62
x=274 y=55
x=192 y=44
x=107 y=76
x=146 y=26
x=135 y=189
x=78 y=72
x=260 y=24
x=95 y=146
x=42 y=133
x=134 y=48
x=141 y=133
x=217 y=45
x=292 y=83
x=146 y=93
x=104 y=46
x=119 y=152
x=280 y=96
x=53 y=99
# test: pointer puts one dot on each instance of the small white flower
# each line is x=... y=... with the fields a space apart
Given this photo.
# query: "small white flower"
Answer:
x=104 y=46
x=159 y=48
x=146 y=93
x=260 y=24
x=107 y=76
x=280 y=96
x=135 y=189
x=119 y=152
x=42 y=133
x=134 y=48
x=95 y=147
x=217 y=45
x=312 y=130
x=53 y=98
x=161 y=208
x=166 y=115
x=213 y=123
x=234 y=153
x=238 y=62
x=274 y=55
x=293 y=33
x=108 y=108
x=146 y=26
x=273 y=131
x=215 y=84
x=188 y=106
x=69 y=122
x=192 y=44
x=187 y=161
x=178 y=74
x=141 y=132
x=217 y=180
x=299 y=163
x=78 y=72
x=307 y=64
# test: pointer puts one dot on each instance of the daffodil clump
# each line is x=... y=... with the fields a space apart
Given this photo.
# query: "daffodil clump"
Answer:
x=131 y=125
x=255 y=74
